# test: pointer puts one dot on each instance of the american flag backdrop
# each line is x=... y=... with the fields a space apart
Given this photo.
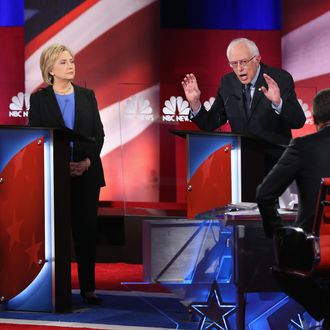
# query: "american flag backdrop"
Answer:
x=305 y=49
x=116 y=49
x=134 y=53
x=11 y=58
x=305 y=42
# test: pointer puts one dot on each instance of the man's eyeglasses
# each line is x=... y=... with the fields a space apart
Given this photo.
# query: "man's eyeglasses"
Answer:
x=234 y=64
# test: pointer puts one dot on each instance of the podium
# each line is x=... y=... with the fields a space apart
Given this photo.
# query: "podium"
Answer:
x=35 y=234
x=223 y=168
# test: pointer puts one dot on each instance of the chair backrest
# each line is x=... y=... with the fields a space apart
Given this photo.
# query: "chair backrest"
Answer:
x=301 y=253
x=293 y=250
x=321 y=229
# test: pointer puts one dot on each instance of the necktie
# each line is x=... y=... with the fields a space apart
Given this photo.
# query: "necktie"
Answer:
x=247 y=97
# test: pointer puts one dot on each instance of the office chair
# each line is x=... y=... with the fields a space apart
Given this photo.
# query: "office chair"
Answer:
x=304 y=254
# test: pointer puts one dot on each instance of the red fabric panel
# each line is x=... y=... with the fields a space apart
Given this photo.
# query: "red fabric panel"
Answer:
x=22 y=241
x=212 y=176
x=12 y=72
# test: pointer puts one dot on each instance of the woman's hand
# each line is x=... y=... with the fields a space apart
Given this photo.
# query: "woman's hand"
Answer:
x=78 y=168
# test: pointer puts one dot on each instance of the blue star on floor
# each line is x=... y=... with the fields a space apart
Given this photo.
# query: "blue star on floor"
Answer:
x=214 y=312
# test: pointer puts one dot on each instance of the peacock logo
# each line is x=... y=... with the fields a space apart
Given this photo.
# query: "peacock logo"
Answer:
x=208 y=103
x=20 y=105
x=307 y=112
x=176 y=109
x=139 y=108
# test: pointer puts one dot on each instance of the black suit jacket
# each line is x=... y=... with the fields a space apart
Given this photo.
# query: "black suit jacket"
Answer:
x=306 y=160
x=45 y=112
x=263 y=121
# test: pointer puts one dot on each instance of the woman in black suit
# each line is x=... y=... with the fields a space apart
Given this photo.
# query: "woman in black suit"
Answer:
x=63 y=104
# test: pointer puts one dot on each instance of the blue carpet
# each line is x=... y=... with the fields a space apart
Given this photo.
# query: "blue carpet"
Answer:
x=119 y=309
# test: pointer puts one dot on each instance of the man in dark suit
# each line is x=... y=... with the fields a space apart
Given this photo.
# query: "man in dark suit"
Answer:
x=306 y=160
x=243 y=100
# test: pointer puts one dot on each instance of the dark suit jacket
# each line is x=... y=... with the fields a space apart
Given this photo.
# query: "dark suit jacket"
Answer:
x=45 y=112
x=263 y=121
x=306 y=160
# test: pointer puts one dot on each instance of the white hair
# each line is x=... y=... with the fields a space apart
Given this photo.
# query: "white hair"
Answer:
x=251 y=44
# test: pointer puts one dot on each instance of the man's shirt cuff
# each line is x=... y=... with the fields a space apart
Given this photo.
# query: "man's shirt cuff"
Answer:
x=194 y=113
x=278 y=108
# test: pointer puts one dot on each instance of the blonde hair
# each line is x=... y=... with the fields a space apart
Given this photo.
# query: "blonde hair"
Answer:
x=48 y=58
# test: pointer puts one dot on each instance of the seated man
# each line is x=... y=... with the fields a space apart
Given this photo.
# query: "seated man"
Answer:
x=306 y=160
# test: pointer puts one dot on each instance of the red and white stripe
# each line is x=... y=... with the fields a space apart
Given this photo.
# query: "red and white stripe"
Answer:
x=305 y=50
x=114 y=50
